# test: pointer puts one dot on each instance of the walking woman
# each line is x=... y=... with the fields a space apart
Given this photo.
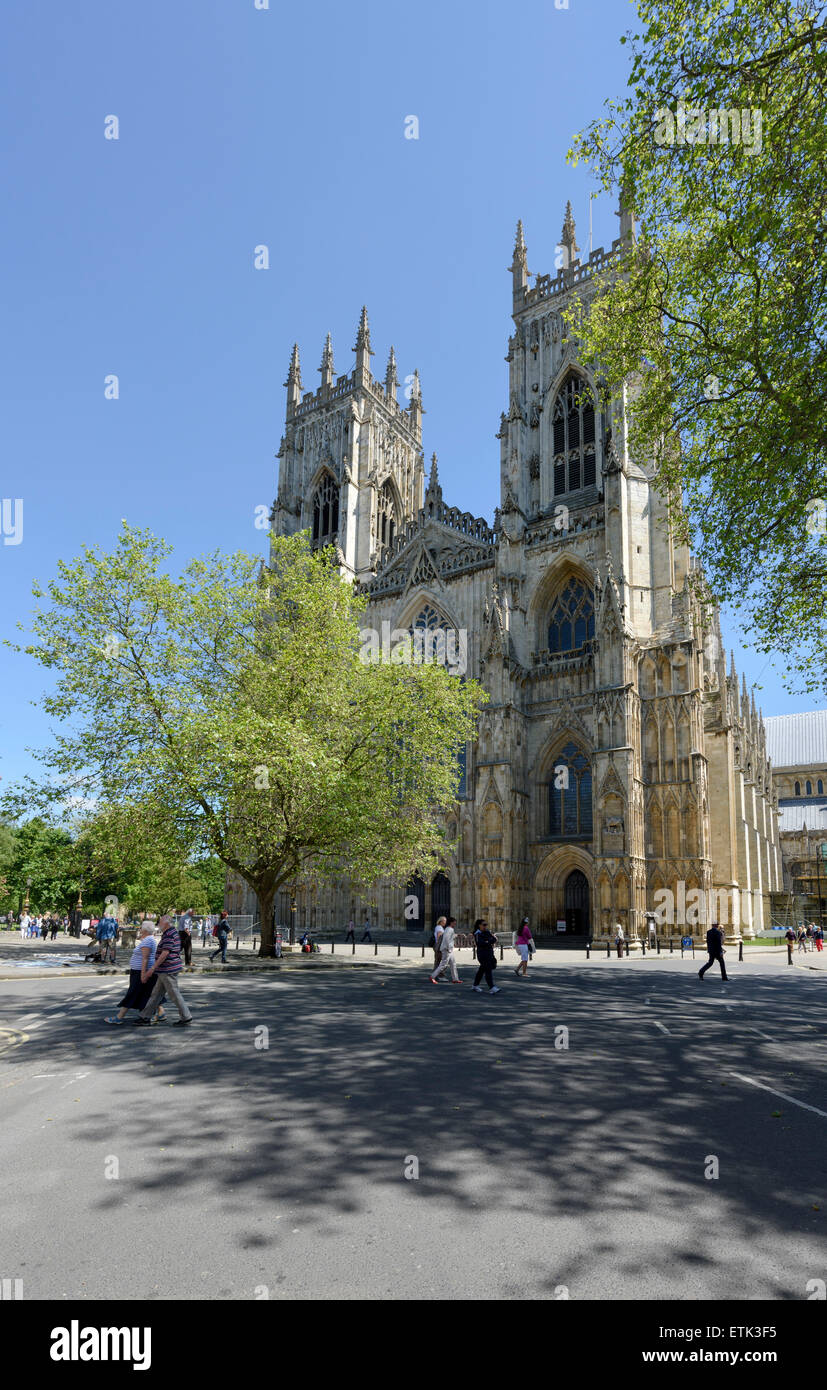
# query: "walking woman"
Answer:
x=140 y=974
x=522 y=946
x=486 y=960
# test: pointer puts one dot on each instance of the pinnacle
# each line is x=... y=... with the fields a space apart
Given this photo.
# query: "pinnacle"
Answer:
x=567 y=236
x=363 y=334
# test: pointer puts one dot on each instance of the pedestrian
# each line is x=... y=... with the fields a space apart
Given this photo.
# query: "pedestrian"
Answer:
x=486 y=959
x=54 y=926
x=447 y=959
x=350 y=934
x=141 y=982
x=715 y=947
x=222 y=932
x=802 y=940
x=366 y=936
x=438 y=930
x=185 y=935
x=619 y=940
x=522 y=945
x=166 y=969
x=205 y=928
x=818 y=937
x=44 y=928
x=24 y=926
x=106 y=933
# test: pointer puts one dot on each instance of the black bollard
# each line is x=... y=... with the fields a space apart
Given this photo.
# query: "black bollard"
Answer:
x=740 y=950
x=643 y=947
x=587 y=950
x=671 y=947
x=376 y=948
x=657 y=944
x=501 y=953
x=332 y=947
x=608 y=949
x=399 y=948
x=789 y=953
x=423 y=951
x=627 y=950
x=353 y=949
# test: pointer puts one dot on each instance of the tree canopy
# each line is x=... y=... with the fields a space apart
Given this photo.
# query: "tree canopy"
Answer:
x=717 y=321
x=228 y=713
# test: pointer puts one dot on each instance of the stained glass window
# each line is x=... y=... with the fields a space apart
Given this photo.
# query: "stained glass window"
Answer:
x=571 y=622
x=570 y=794
x=385 y=517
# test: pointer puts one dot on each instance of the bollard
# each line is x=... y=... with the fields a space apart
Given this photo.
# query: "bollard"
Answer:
x=423 y=950
x=789 y=953
x=332 y=947
x=608 y=949
x=627 y=950
x=657 y=944
x=398 y=948
x=671 y=947
x=236 y=943
x=376 y=948
x=740 y=951
x=353 y=949
x=501 y=953
x=587 y=957
x=643 y=947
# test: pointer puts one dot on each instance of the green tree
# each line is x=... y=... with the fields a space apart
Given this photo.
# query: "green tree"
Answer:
x=42 y=853
x=718 y=320
x=229 y=713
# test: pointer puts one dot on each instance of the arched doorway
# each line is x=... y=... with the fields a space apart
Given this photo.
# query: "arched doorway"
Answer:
x=415 y=911
x=440 y=897
x=577 y=903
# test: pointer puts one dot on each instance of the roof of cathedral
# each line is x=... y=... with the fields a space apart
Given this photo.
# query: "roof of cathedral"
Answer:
x=797 y=740
x=791 y=818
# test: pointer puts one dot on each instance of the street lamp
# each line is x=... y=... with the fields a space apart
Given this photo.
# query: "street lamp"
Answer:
x=293 y=915
x=26 y=903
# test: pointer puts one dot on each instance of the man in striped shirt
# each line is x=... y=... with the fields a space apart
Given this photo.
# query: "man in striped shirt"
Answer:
x=166 y=970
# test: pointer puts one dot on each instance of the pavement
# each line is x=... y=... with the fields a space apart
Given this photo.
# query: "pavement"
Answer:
x=602 y=1130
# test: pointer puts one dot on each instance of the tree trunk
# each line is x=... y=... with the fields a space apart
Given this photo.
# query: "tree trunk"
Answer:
x=266 y=904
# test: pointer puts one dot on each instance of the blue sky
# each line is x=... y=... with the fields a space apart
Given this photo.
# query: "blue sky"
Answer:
x=285 y=127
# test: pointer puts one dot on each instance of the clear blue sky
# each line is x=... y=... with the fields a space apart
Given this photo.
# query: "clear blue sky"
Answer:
x=283 y=127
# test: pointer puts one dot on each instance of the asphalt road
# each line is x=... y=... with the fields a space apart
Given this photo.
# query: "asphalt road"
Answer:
x=544 y=1171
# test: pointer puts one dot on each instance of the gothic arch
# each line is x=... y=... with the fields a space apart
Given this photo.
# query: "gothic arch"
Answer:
x=413 y=605
x=561 y=568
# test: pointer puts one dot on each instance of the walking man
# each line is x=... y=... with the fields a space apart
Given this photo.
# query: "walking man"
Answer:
x=619 y=939
x=167 y=968
x=366 y=936
x=185 y=935
x=350 y=934
x=447 y=958
x=222 y=932
x=486 y=959
x=715 y=947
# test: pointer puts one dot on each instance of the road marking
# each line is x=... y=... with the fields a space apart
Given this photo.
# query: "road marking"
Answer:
x=11 y=1037
x=662 y=1027
x=781 y=1094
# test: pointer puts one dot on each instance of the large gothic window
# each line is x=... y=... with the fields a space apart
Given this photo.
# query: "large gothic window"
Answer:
x=326 y=512
x=570 y=794
x=571 y=621
x=385 y=517
x=573 y=426
x=440 y=646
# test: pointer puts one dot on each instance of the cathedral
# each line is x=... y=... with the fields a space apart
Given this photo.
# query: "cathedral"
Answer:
x=619 y=769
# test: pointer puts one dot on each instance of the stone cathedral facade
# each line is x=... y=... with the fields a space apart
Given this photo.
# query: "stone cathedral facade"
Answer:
x=617 y=755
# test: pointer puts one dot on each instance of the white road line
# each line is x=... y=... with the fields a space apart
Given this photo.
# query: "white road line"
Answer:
x=781 y=1094
x=662 y=1027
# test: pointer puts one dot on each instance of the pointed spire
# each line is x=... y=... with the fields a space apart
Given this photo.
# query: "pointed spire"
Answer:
x=733 y=675
x=415 y=410
x=519 y=262
x=433 y=480
x=363 y=334
x=416 y=386
x=294 y=378
x=568 y=239
x=327 y=368
x=391 y=378
x=433 y=492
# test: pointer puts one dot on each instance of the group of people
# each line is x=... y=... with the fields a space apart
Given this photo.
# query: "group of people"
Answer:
x=809 y=937
x=42 y=926
x=485 y=944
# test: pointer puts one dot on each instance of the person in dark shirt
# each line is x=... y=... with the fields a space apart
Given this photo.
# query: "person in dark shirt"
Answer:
x=486 y=959
x=715 y=947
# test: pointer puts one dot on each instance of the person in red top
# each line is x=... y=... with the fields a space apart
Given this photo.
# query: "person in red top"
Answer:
x=522 y=946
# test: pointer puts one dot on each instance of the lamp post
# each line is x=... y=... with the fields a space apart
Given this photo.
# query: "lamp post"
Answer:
x=293 y=915
x=26 y=903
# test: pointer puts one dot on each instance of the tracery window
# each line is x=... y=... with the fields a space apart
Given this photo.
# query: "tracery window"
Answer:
x=326 y=512
x=571 y=621
x=570 y=794
x=809 y=788
x=797 y=789
x=574 y=444
x=440 y=645
x=385 y=517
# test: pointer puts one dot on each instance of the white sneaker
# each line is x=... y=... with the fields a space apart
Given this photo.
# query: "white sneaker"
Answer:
x=477 y=989
x=495 y=989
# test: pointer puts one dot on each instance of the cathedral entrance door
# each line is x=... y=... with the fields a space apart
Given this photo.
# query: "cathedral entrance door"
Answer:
x=415 y=890
x=577 y=903
x=440 y=897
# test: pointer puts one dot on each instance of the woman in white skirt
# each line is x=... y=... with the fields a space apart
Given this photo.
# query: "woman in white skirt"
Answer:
x=521 y=946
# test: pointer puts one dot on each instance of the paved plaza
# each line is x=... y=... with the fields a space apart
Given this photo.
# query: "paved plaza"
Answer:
x=544 y=1170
